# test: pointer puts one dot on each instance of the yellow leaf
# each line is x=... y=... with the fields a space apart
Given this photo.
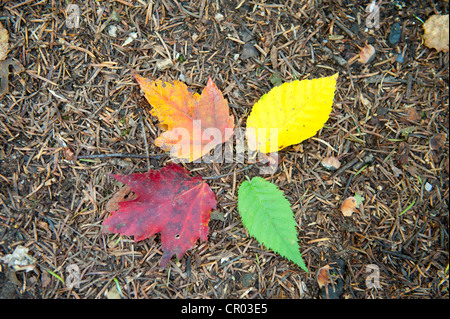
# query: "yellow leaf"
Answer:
x=290 y=113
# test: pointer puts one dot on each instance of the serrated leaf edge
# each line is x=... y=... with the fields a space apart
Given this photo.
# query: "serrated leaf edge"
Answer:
x=300 y=262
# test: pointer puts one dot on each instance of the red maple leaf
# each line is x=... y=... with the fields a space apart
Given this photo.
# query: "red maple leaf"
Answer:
x=168 y=201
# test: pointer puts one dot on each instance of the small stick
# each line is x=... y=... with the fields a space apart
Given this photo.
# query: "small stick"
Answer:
x=341 y=25
x=358 y=165
x=337 y=58
x=409 y=86
x=348 y=184
x=120 y=155
x=346 y=166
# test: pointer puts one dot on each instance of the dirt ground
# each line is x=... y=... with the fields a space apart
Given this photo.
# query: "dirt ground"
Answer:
x=76 y=114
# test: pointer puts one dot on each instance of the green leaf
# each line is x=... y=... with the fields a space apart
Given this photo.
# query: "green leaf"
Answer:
x=268 y=217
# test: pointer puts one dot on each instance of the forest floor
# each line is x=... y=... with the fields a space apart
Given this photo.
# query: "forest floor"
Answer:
x=76 y=113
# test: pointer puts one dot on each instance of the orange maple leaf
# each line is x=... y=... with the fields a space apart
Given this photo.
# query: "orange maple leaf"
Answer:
x=195 y=123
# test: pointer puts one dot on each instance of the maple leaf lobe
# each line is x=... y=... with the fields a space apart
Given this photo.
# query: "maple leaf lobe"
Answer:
x=186 y=114
x=168 y=201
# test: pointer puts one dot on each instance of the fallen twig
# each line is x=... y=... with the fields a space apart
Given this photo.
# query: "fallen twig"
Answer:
x=121 y=155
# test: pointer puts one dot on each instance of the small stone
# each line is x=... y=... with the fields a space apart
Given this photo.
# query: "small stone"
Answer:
x=217 y=215
x=246 y=36
x=248 y=51
x=248 y=280
x=131 y=37
x=331 y=163
x=188 y=80
x=112 y=31
x=396 y=33
x=164 y=64
x=219 y=17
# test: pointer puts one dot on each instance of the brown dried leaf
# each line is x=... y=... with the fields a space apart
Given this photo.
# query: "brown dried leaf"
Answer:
x=438 y=141
x=4 y=45
x=298 y=148
x=4 y=64
x=436 y=32
x=413 y=115
x=403 y=153
x=367 y=53
x=323 y=276
x=349 y=206
x=68 y=154
x=364 y=100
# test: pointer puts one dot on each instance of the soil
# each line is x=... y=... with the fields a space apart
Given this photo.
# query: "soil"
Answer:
x=76 y=113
